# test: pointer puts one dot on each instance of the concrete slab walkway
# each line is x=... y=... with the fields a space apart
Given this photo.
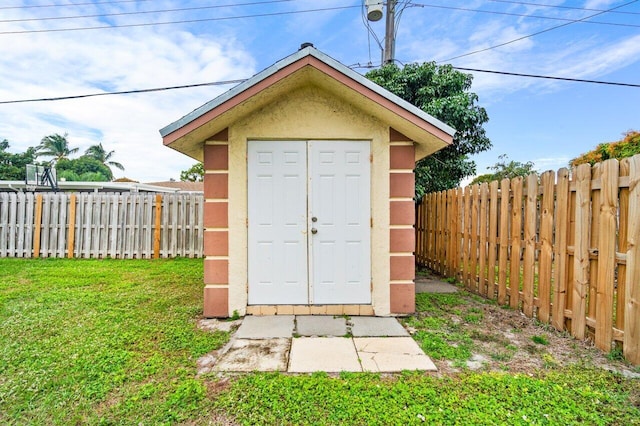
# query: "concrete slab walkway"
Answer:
x=304 y=344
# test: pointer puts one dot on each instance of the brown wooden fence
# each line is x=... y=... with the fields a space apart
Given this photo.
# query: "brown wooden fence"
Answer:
x=99 y=225
x=562 y=247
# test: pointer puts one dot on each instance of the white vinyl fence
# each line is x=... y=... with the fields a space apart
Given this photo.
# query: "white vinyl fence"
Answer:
x=100 y=225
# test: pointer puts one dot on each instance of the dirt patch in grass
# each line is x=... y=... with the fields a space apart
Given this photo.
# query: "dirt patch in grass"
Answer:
x=466 y=332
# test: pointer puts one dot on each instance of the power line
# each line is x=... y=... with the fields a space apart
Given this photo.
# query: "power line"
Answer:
x=143 y=12
x=494 y=12
x=226 y=82
x=557 y=6
x=549 y=77
x=537 y=33
x=124 y=92
x=185 y=21
x=70 y=4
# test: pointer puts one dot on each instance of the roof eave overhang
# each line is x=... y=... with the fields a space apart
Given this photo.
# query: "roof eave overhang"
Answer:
x=306 y=67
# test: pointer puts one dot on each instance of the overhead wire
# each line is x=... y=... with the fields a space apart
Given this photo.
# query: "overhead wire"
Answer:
x=516 y=74
x=238 y=81
x=558 y=6
x=141 y=12
x=370 y=32
x=546 y=30
x=549 y=77
x=91 y=3
x=522 y=15
x=183 y=21
x=123 y=92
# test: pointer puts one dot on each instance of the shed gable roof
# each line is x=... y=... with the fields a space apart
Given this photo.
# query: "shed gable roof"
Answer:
x=306 y=66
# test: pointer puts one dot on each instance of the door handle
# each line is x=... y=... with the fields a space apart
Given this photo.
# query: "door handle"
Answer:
x=314 y=231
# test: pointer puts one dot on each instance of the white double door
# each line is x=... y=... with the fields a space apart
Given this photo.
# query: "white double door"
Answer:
x=309 y=222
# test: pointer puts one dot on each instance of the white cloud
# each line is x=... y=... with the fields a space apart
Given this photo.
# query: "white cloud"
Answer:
x=60 y=64
x=601 y=59
x=550 y=163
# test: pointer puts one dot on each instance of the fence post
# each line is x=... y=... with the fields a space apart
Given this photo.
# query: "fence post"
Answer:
x=72 y=226
x=157 y=230
x=37 y=226
x=632 y=311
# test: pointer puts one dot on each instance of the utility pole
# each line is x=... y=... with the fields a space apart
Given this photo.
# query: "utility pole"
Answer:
x=390 y=34
x=374 y=13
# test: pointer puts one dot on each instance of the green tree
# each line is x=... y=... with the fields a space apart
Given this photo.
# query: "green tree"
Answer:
x=55 y=146
x=12 y=166
x=194 y=173
x=443 y=93
x=506 y=169
x=628 y=146
x=98 y=152
x=84 y=169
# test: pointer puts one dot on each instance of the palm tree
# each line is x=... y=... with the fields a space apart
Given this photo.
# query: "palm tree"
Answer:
x=98 y=152
x=55 y=146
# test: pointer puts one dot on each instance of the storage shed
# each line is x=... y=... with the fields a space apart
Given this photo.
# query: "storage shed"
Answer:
x=309 y=190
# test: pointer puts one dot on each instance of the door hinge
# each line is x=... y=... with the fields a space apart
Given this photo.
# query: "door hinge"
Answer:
x=371 y=158
x=371 y=222
x=246 y=222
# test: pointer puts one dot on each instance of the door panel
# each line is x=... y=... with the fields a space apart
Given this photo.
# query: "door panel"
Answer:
x=339 y=198
x=290 y=184
x=277 y=191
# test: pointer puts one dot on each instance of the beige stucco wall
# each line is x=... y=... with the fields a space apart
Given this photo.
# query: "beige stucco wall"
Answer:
x=305 y=114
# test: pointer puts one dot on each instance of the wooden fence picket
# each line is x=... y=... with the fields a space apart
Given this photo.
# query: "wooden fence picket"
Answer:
x=623 y=229
x=631 y=345
x=503 y=256
x=482 y=248
x=466 y=238
x=493 y=239
x=566 y=246
x=516 y=243
x=594 y=237
x=606 y=254
x=581 y=252
x=560 y=249
x=546 y=246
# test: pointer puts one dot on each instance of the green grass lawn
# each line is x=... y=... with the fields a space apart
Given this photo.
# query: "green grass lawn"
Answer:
x=569 y=397
x=115 y=342
x=101 y=341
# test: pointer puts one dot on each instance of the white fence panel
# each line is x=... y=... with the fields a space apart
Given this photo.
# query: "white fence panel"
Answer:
x=105 y=225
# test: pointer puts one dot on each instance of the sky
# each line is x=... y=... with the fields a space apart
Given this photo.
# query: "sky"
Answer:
x=58 y=48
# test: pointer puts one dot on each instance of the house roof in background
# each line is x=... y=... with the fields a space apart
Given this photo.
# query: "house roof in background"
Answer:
x=181 y=186
x=65 y=186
